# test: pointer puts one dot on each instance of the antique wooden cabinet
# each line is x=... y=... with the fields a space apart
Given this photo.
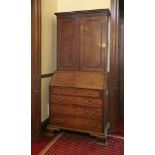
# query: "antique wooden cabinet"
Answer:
x=78 y=89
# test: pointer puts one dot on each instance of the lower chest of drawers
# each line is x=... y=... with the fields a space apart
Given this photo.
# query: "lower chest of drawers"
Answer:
x=81 y=113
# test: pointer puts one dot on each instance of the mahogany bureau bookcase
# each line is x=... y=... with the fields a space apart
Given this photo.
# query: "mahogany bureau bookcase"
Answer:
x=78 y=89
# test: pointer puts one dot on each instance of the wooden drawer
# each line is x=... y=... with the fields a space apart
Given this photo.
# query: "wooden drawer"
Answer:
x=76 y=92
x=82 y=101
x=76 y=123
x=73 y=110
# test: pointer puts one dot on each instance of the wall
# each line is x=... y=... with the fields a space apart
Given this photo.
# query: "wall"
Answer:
x=48 y=37
x=48 y=50
x=73 y=5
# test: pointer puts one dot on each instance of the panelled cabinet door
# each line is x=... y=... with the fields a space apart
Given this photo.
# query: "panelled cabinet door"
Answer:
x=68 y=44
x=93 y=43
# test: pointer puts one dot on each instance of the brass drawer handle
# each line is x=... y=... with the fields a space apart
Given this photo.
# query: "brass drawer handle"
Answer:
x=60 y=109
x=91 y=125
x=60 y=99
x=90 y=103
x=88 y=93
x=59 y=90
x=56 y=91
x=60 y=120
x=90 y=113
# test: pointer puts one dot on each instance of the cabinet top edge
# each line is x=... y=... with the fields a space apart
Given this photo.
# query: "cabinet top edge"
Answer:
x=105 y=12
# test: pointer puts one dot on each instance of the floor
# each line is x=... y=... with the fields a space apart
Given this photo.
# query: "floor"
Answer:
x=39 y=144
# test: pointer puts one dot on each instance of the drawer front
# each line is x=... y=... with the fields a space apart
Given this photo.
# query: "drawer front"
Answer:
x=76 y=92
x=82 y=101
x=77 y=123
x=92 y=113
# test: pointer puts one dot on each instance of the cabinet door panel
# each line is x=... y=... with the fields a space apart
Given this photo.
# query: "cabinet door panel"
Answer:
x=68 y=44
x=93 y=43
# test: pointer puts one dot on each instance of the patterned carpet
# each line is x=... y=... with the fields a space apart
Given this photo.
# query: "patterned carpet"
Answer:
x=38 y=144
x=76 y=144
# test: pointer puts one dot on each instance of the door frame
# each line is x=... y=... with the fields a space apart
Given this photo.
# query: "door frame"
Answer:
x=113 y=75
x=35 y=68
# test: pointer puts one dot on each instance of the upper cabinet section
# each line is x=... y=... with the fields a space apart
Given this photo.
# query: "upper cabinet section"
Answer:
x=82 y=40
